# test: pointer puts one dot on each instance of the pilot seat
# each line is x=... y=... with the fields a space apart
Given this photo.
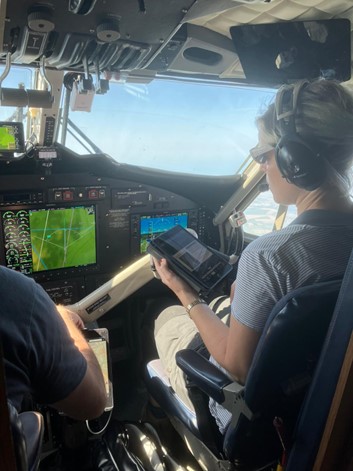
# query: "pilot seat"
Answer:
x=265 y=409
x=21 y=434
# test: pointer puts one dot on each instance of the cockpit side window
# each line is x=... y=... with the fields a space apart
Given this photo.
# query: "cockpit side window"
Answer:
x=261 y=215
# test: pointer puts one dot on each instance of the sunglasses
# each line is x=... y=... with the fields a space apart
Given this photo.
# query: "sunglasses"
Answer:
x=261 y=154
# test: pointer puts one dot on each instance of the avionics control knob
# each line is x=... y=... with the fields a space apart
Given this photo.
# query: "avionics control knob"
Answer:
x=41 y=21
x=108 y=31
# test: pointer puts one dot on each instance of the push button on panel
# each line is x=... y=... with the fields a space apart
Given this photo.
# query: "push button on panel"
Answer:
x=58 y=196
x=68 y=195
x=93 y=194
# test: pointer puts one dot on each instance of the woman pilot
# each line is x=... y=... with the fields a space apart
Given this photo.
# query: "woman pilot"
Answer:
x=306 y=151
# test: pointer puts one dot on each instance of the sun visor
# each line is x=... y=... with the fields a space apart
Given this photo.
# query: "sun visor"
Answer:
x=276 y=53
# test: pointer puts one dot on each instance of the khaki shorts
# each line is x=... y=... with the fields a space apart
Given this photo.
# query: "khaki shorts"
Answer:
x=174 y=331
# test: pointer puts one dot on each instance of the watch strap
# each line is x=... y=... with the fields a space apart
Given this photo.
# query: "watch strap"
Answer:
x=194 y=303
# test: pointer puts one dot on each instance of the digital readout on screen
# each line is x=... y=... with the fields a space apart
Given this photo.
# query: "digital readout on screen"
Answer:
x=152 y=226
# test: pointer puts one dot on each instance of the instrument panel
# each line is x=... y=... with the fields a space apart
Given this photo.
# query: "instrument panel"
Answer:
x=73 y=230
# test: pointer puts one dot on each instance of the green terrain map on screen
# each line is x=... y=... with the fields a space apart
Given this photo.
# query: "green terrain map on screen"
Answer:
x=7 y=139
x=63 y=238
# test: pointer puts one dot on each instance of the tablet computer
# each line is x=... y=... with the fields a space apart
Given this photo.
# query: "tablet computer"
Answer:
x=98 y=340
x=191 y=259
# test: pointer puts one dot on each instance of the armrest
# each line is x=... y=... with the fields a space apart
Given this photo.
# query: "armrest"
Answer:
x=206 y=376
x=214 y=383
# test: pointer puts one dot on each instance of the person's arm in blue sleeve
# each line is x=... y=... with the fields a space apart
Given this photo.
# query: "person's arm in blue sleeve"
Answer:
x=64 y=370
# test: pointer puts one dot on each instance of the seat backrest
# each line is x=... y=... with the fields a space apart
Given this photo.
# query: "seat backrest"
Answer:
x=282 y=368
x=21 y=434
x=18 y=438
x=27 y=431
x=7 y=451
x=320 y=398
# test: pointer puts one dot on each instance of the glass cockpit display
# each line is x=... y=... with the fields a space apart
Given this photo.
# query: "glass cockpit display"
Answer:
x=11 y=137
x=152 y=226
x=38 y=240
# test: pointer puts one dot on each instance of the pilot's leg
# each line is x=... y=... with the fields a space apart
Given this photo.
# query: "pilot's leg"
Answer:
x=174 y=331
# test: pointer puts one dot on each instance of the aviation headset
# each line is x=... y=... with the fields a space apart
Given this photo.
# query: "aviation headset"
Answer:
x=297 y=160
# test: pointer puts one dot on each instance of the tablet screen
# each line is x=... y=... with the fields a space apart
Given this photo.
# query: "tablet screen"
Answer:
x=192 y=255
x=189 y=256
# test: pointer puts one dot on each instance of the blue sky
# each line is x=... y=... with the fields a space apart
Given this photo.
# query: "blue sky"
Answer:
x=176 y=126
x=187 y=127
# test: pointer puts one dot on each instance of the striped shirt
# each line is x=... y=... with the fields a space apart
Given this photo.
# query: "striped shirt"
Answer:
x=276 y=263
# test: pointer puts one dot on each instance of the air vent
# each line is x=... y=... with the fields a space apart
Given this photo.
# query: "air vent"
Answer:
x=197 y=50
x=202 y=56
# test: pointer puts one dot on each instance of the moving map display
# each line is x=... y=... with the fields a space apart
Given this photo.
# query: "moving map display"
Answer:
x=49 y=239
x=11 y=137
x=152 y=226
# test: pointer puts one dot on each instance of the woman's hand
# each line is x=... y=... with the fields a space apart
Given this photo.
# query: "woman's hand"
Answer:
x=170 y=279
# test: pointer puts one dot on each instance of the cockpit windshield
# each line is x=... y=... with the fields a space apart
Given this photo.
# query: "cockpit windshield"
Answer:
x=191 y=127
x=186 y=126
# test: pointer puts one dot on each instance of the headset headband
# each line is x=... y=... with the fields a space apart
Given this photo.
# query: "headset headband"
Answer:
x=286 y=105
x=298 y=160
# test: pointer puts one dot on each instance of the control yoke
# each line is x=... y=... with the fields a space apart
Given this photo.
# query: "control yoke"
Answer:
x=113 y=292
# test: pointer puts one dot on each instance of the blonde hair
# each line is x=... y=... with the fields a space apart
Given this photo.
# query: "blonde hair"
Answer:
x=324 y=119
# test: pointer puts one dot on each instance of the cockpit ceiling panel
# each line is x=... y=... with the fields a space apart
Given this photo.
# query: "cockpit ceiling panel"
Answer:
x=123 y=32
x=271 y=12
x=182 y=37
x=267 y=12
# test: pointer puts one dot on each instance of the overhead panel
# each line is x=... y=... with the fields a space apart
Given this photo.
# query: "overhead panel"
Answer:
x=115 y=35
x=146 y=37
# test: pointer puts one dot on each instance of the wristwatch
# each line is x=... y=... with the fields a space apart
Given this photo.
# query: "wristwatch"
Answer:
x=194 y=303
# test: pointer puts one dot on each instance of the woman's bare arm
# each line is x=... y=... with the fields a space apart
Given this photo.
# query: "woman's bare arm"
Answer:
x=232 y=347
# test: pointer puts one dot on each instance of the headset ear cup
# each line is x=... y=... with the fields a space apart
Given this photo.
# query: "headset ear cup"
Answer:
x=299 y=164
